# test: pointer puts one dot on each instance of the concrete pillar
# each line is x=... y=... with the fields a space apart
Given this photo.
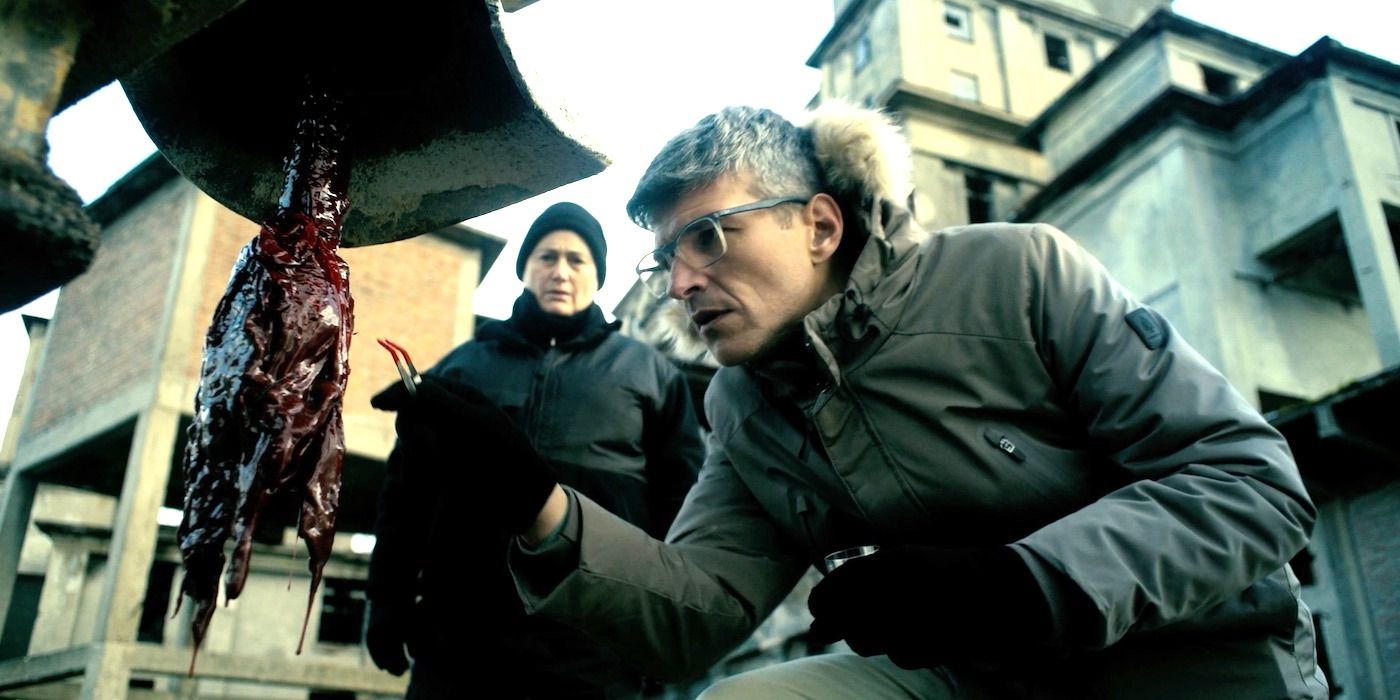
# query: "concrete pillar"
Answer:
x=154 y=440
x=108 y=673
x=18 y=501
x=62 y=596
x=14 y=514
x=133 y=550
x=134 y=530
x=1368 y=240
x=148 y=464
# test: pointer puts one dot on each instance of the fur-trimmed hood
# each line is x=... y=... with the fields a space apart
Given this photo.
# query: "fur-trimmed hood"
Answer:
x=862 y=153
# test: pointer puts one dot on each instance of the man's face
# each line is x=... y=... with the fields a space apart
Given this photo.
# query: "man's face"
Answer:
x=561 y=274
x=744 y=303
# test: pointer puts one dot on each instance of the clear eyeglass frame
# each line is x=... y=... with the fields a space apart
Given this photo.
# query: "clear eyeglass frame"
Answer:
x=699 y=244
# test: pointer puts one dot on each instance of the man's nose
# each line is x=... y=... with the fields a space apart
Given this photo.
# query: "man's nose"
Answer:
x=685 y=281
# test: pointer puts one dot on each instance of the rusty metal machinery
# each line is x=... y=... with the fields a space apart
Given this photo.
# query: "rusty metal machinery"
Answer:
x=442 y=126
x=52 y=54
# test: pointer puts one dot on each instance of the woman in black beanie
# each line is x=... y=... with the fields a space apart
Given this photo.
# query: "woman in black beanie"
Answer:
x=614 y=419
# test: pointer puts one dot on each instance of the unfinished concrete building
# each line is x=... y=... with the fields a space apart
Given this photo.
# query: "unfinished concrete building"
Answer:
x=113 y=381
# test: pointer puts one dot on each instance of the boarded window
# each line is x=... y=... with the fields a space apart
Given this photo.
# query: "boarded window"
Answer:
x=963 y=86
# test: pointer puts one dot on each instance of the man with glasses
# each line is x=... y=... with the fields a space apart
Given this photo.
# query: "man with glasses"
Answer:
x=1062 y=497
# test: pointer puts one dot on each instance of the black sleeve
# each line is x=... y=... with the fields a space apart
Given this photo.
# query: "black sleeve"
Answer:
x=674 y=450
x=400 y=531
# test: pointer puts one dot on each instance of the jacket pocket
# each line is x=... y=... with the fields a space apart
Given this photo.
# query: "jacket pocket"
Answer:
x=1005 y=442
x=1031 y=479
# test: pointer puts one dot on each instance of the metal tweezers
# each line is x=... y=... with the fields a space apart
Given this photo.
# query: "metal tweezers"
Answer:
x=407 y=372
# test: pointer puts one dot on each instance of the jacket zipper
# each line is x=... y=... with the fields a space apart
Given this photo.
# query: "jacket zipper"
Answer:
x=538 y=391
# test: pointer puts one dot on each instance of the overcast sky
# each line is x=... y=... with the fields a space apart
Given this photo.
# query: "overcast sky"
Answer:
x=635 y=72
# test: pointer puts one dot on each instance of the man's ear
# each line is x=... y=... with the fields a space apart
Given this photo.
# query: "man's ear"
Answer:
x=827 y=227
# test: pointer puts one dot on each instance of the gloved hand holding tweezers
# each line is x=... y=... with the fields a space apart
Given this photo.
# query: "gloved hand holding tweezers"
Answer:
x=404 y=364
x=452 y=425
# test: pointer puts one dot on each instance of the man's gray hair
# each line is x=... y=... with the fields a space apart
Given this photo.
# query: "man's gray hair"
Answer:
x=776 y=155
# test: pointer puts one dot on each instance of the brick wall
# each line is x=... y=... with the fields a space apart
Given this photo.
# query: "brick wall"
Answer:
x=230 y=233
x=103 y=339
x=406 y=291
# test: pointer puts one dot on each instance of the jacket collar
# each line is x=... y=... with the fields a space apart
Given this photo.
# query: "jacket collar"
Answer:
x=512 y=332
x=846 y=329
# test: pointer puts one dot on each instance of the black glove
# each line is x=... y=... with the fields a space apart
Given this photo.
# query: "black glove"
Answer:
x=925 y=607
x=458 y=427
x=386 y=636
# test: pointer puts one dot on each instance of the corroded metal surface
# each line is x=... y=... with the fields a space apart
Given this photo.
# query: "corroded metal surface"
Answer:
x=53 y=53
x=442 y=127
x=47 y=238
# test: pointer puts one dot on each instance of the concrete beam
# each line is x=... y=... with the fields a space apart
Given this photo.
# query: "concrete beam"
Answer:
x=43 y=668
x=304 y=671
x=109 y=668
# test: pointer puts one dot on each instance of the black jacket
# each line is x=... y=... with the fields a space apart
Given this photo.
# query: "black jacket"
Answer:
x=615 y=419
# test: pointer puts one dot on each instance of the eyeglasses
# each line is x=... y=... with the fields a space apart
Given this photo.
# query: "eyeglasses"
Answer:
x=699 y=244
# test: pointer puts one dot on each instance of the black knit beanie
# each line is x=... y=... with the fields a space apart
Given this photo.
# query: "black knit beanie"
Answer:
x=571 y=217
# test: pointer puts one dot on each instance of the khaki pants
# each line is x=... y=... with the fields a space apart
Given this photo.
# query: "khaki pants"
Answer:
x=832 y=676
x=1160 y=676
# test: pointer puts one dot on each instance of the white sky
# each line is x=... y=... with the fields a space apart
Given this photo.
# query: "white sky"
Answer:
x=633 y=73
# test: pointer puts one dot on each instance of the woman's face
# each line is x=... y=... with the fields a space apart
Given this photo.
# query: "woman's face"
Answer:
x=561 y=274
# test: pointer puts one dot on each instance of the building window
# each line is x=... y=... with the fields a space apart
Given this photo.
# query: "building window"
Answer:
x=24 y=610
x=860 y=53
x=1218 y=82
x=1056 y=52
x=1270 y=401
x=159 y=582
x=342 y=611
x=1314 y=261
x=979 y=197
x=958 y=19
